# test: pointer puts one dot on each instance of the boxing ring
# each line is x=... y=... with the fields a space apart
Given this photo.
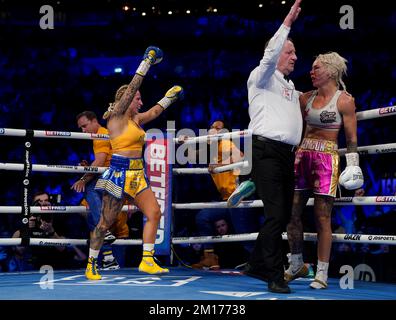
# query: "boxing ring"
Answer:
x=181 y=283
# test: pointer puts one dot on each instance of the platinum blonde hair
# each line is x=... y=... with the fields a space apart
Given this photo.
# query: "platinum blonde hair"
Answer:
x=336 y=65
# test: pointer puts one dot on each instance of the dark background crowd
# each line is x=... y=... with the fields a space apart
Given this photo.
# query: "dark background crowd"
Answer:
x=49 y=76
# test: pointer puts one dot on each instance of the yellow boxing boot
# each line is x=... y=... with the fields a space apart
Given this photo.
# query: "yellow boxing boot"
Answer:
x=148 y=265
x=92 y=269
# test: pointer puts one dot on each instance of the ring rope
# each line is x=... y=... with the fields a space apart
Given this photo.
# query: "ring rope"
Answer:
x=92 y=169
x=52 y=168
x=228 y=167
x=343 y=201
x=382 y=200
x=64 y=242
x=57 y=209
x=95 y=136
x=374 y=149
x=361 y=115
x=376 y=113
x=54 y=134
x=336 y=237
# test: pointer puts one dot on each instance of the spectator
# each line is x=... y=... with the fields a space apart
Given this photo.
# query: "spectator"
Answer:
x=231 y=254
x=41 y=226
x=226 y=182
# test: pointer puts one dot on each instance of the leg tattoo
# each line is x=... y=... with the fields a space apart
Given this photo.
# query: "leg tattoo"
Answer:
x=295 y=226
x=110 y=208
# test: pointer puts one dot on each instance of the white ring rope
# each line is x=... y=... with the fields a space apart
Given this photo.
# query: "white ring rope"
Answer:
x=336 y=237
x=362 y=115
x=57 y=209
x=376 y=113
x=374 y=149
x=344 y=201
x=228 y=167
x=356 y=238
x=94 y=136
x=64 y=242
x=54 y=134
x=52 y=168
x=74 y=169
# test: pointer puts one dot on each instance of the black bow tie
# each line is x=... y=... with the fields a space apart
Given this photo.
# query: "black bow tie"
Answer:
x=286 y=78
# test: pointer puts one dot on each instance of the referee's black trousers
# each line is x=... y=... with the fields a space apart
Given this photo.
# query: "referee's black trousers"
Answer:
x=273 y=175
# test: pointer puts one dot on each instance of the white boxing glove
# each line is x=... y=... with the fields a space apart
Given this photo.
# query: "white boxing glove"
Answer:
x=352 y=177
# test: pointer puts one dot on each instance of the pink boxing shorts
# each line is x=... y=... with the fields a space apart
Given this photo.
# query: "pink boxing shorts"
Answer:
x=316 y=167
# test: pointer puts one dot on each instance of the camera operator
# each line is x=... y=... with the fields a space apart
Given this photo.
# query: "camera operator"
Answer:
x=41 y=226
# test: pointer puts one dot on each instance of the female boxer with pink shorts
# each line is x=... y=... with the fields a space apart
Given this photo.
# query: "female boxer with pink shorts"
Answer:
x=325 y=111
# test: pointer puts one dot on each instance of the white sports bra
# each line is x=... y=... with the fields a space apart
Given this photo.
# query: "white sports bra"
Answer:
x=327 y=117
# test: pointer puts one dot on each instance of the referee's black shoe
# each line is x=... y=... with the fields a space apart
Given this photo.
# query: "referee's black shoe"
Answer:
x=278 y=286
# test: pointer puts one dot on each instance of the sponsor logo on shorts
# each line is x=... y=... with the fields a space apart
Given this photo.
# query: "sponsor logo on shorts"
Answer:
x=385 y=199
x=387 y=110
x=318 y=145
x=352 y=237
x=58 y=133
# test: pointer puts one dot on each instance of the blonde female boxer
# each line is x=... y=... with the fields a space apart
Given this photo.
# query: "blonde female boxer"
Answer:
x=325 y=111
x=126 y=178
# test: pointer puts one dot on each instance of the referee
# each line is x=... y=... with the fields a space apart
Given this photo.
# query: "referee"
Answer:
x=276 y=123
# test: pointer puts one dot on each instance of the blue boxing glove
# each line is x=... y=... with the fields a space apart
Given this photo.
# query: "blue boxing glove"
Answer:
x=174 y=93
x=152 y=55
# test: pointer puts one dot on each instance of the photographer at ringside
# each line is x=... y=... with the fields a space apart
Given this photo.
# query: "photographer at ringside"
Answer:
x=41 y=226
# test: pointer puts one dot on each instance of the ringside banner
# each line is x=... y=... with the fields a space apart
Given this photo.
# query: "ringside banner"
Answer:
x=159 y=174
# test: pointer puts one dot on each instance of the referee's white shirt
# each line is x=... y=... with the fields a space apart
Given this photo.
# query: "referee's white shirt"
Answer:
x=274 y=107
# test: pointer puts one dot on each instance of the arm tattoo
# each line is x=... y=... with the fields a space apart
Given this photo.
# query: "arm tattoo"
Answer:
x=122 y=106
x=351 y=146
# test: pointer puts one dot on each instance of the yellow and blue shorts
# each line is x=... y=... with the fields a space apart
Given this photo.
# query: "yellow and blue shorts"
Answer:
x=125 y=176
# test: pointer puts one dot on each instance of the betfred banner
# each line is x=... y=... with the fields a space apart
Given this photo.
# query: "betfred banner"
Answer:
x=159 y=173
